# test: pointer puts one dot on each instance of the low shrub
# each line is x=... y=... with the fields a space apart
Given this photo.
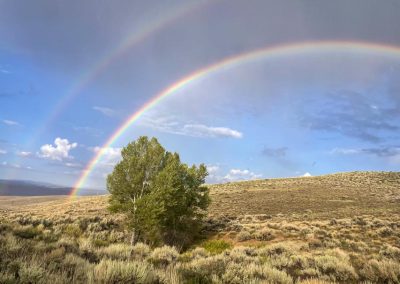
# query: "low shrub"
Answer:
x=73 y=230
x=164 y=256
x=264 y=235
x=76 y=268
x=243 y=236
x=381 y=271
x=100 y=243
x=31 y=273
x=116 y=251
x=202 y=270
x=216 y=246
x=384 y=232
x=140 y=251
x=390 y=252
x=116 y=271
x=337 y=269
x=26 y=232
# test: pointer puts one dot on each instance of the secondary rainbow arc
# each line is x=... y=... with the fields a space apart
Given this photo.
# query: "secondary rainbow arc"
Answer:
x=132 y=40
x=230 y=62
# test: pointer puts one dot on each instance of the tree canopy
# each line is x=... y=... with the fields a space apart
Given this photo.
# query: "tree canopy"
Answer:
x=164 y=199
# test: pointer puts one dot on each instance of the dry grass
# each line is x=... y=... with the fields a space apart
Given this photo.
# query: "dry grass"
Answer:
x=342 y=228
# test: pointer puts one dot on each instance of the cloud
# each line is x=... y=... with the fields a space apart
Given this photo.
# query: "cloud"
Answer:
x=238 y=174
x=383 y=151
x=15 y=166
x=307 y=174
x=24 y=154
x=3 y=151
x=170 y=124
x=350 y=114
x=58 y=152
x=104 y=110
x=10 y=122
x=275 y=152
x=201 y=130
x=73 y=165
x=212 y=169
x=110 y=156
x=345 y=151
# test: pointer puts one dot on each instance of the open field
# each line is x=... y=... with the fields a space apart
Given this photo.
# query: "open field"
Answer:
x=341 y=227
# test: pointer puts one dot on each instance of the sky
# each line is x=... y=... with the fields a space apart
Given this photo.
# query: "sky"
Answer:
x=72 y=72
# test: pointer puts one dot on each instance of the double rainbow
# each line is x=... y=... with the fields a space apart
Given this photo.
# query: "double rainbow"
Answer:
x=231 y=62
x=133 y=39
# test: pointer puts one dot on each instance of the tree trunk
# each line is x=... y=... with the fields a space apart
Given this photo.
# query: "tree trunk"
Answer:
x=133 y=237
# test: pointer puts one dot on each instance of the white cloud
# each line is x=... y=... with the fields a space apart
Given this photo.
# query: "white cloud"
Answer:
x=170 y=124
x=24 y=154
x=214 y=175
x=104 y=110
x=110 y=156
x=166 y=124
x=201 y=130
x=395 y=159
x=10 y=122
x=212 y=169
x=238 y=174
x=3 y=151
x=345 y=151
x=73 y=165
x=307 y=174
x=15 y=166
x=58 y=152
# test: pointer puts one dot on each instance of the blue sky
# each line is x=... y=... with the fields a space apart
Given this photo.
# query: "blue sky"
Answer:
x=314 y=113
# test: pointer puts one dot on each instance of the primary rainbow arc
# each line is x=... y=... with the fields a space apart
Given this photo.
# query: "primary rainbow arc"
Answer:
x=230 y=62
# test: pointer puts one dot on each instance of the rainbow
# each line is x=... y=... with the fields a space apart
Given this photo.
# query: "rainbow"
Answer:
x=231 y=62
x=133 y=39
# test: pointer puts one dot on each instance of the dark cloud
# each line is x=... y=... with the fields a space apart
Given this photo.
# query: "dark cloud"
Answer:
x=275 y=152
x=350 y=114
x=69 y=35
x=385 y=151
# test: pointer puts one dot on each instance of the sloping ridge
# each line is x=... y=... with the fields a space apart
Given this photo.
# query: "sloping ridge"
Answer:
x=31 y=188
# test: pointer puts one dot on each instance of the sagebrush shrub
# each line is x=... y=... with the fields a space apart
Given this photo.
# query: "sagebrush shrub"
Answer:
x=390 y=252
x=337 y=269
x=140 y=251
x=116 y=251
x=243 y=236
x=164 y=255
x=31 y=273
x=264 y=235
x=381 y=271
x=27 y=232
x=76 y=268
x=116 y=271
x=201 y=270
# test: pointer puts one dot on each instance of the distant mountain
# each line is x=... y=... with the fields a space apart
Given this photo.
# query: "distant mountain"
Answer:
x=33 y=188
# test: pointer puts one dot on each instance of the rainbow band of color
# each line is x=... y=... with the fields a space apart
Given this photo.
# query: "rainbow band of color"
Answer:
x=230 y=62
x=130 y=41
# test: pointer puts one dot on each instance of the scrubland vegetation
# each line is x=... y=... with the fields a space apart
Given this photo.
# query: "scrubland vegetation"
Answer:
x=342 y=228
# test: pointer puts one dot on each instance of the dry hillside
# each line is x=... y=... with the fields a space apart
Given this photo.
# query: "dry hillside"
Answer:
x=343 y=228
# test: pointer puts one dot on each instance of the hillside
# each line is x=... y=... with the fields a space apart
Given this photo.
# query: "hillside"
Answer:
x=338 y=195
x=31 y=188
x=343 y=228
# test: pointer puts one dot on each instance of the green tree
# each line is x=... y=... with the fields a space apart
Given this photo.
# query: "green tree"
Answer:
x=164 y=199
